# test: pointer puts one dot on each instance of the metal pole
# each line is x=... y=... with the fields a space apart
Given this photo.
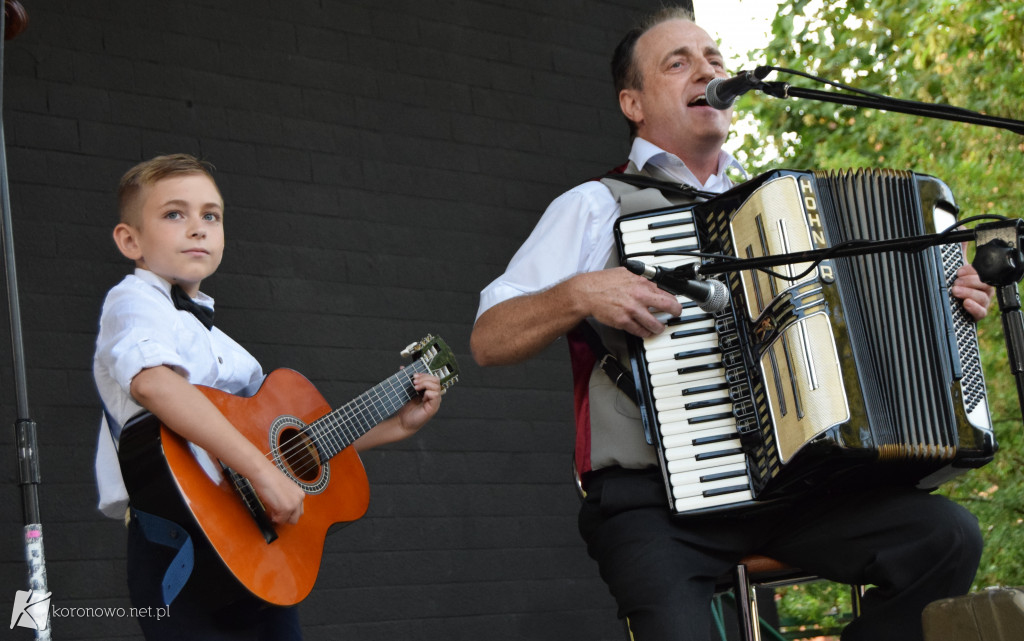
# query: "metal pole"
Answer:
x=36 y=604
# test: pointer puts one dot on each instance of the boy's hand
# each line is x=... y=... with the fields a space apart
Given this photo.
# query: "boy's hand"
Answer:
x=409 y=419
x=281 y=497
x=188 y=412
x=418 y=411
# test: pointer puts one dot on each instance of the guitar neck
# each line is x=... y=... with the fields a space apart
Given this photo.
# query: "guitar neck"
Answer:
x=341 y=427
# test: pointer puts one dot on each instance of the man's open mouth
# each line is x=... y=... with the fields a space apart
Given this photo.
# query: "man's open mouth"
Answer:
x=699 y=101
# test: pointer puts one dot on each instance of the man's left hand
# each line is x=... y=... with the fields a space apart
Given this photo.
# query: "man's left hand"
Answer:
x=976 y=295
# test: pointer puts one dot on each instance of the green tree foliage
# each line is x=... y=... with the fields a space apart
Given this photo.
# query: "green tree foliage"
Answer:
x=967 y=53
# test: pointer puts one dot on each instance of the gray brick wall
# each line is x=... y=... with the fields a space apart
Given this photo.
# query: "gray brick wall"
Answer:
x=380 y=162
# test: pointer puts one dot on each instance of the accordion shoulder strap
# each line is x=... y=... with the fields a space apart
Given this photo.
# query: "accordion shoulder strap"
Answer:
x=667 y=188
x=616 y=371
x=634 y=192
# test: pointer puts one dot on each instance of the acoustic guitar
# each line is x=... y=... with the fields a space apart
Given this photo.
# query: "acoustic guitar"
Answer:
x=290 y=421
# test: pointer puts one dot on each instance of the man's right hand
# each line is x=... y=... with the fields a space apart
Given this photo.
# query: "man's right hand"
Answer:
x=621 y=299
x=518 y=328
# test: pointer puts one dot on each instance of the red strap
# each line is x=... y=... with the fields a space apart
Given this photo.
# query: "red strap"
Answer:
x=621 y=169
x=583 y=361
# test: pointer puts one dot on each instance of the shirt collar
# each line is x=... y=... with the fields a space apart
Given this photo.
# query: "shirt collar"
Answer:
x=644 y=153
x=165 y=286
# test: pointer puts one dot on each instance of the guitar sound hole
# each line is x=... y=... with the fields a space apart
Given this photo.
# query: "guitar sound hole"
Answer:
x=299 y=455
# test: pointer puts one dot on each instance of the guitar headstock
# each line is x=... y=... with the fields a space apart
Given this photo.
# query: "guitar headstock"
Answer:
x=438 y=358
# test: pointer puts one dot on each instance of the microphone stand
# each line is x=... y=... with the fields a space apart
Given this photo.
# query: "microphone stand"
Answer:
x=998 y=258
x=883 y=103
x=37 y=603
x=941 y=112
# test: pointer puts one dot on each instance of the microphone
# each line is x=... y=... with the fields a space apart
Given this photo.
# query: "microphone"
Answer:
x=721 y=93
x=710 y=295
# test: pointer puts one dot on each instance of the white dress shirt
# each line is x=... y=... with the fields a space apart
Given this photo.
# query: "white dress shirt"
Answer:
x=575 y=234
x=140 y=328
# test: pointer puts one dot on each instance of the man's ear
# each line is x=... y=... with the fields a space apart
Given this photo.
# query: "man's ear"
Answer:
x=125 y=237
x=631 y=105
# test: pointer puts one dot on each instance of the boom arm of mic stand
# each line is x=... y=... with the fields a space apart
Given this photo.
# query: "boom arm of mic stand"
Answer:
x=998 y=244
x=859 y=249
x=999 y=260
x=941 y=112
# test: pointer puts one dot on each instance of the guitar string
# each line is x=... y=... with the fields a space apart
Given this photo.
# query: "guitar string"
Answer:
x=348 y=408
x=369 y=406
x=325 y=430
x=365 y=403
x=244 y=486
x=322 y=433
x=370 y=399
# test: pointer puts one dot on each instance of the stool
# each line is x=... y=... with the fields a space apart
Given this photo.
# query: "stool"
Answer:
x=763 y=571
x=752 y=572
x=756 y=571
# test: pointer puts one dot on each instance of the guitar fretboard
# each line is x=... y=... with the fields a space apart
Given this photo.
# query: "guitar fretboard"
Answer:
x=339 y=428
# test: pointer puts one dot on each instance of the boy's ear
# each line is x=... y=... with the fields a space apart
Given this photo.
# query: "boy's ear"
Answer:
x=125 y=237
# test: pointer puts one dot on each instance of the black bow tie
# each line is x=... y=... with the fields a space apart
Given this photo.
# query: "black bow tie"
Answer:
x=184 y=302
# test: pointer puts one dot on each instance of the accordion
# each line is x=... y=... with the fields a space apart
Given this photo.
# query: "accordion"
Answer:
x=854 y=371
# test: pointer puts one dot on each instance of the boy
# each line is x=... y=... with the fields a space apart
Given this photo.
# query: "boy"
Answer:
x=150 y=354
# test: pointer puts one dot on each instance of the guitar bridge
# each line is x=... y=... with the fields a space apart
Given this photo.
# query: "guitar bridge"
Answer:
x=252 y=503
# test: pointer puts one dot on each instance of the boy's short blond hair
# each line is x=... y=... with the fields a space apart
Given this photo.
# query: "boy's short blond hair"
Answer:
x=150 y=172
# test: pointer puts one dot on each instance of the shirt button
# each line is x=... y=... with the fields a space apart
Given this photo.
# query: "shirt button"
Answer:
x=220 y=360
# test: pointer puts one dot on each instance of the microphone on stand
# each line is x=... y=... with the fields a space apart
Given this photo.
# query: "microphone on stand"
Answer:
x=722 y=92
x=710 y=295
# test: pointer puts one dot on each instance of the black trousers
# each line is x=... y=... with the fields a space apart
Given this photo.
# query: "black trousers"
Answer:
x=912 y=546
x=203 y=610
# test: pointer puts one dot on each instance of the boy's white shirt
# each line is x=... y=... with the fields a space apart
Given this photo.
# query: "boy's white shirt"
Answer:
x=140 y=328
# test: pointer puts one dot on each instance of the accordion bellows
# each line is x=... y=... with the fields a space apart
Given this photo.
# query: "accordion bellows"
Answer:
x=852 y=371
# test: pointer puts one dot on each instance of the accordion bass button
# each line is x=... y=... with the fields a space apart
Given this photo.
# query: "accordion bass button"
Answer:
x=732 y=358
x=743 y=409
x=729 y=341
x=738 y=389
x=725 y=325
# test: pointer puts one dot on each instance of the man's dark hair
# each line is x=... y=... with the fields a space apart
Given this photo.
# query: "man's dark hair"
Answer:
x=625 y=74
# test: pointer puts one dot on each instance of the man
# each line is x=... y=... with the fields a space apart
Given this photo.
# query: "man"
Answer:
x=915 y=547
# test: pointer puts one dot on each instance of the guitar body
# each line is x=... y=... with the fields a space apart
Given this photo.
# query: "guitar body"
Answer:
x=291 y=422
x=157 y=464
